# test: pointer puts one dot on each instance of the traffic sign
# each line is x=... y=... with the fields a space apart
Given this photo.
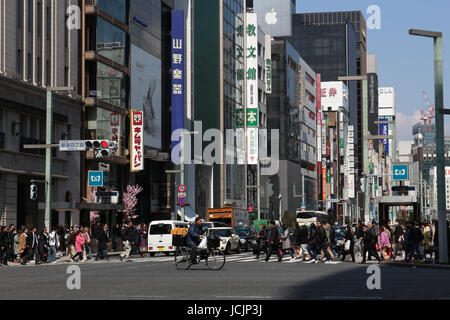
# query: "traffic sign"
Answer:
x=98 y=178
x=72 y=145
x=182 y=201
x=182 y=188
x=182 y=195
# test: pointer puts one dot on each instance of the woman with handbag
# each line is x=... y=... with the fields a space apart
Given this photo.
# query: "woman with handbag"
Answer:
x=384 y=243
x=349 y=244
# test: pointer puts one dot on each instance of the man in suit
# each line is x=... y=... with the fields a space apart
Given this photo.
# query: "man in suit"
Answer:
x=34 y=240
x=103 y=238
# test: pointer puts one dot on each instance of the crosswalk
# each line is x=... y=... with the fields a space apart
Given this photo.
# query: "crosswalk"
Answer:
x=245 y=257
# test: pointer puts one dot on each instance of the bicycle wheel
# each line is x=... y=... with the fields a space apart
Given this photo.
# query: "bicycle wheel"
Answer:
x=216 y=260
x=182 y=258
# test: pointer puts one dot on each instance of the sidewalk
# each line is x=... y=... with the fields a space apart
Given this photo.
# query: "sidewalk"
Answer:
x=416 y=265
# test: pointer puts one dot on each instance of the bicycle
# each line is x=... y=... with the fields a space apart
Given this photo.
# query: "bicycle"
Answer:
x=213 y=256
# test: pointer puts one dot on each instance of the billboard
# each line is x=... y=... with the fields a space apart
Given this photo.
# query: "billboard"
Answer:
x=146 y=93
x=334 y=94
x=386 y=102
x=275 y=16
x=178 y=74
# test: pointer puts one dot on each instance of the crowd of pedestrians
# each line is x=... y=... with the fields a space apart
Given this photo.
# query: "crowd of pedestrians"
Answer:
x=412 y=242
x=22 y=246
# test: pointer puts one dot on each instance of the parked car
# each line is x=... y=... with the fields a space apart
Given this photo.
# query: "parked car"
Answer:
x=229 y=240
x=247 y=235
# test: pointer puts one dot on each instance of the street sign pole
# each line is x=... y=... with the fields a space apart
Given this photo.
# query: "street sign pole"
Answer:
x=48 y=160
x=182 y=174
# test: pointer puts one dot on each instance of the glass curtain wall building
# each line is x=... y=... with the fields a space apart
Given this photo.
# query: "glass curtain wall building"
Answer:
x=218 y=91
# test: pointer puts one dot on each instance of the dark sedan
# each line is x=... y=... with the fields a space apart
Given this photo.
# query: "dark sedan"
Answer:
x=247 y=235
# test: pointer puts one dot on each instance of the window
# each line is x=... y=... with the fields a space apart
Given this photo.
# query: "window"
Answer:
x=30 y=67
x=30 y=12
x=111 y=41
x=115 y=8
x=19 y=62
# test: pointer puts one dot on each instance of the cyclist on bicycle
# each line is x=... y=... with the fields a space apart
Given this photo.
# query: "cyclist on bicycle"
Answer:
x=194 y=237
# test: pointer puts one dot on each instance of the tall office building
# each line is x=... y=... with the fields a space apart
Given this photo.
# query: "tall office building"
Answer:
x=225 y=39
x=334 y=44
x=292 y=110
x=37 y=51
x=126 y=66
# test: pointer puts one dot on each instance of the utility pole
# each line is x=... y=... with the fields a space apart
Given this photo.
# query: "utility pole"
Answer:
x=440 y=158
x=48 y=151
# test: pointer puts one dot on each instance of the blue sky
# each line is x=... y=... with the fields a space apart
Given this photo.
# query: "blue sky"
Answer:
x=404 y=62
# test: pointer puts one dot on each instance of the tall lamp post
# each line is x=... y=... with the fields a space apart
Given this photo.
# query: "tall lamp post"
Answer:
x=440 y=159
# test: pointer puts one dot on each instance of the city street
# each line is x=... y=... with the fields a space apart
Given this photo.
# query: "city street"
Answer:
x=243 y=278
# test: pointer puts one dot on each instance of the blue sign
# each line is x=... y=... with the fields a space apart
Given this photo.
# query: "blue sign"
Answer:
x=178 y=71
x=400 y=172
x=384 y=131
x=98 y=178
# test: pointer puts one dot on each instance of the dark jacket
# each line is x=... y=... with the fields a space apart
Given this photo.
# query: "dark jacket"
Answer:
x=43 y=243
x=3 y=240
x=332 y=236
x=296 y=236
x=370 y=238
x=71 y=239
x=274 y=236
x=348 y=236
x=303 y=239
x=193 y=237
x=103 y=239
x=321 y=235
x=359 y=233
x=262 y=236
x=313 y=236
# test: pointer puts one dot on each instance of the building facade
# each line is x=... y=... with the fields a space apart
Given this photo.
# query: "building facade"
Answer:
x=37 y=52
x=292 y=110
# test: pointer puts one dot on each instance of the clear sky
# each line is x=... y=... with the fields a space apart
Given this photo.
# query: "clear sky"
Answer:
x=404 y=62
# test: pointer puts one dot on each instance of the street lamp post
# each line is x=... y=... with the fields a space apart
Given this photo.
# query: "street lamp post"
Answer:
x=440 y=158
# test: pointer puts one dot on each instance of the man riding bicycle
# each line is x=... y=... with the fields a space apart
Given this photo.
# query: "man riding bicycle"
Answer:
x=194 y=237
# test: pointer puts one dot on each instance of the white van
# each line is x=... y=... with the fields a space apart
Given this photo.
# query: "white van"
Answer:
x=160 y=238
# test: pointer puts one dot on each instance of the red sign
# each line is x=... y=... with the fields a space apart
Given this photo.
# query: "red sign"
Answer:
x=251 y=209
x=324 y=184
x=137 y=141
x=182 y=188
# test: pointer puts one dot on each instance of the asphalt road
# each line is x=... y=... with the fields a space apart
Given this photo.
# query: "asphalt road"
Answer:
x=242 y=278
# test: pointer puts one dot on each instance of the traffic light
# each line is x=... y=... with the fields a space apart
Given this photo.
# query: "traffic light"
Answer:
x=33 y=192
x=101 y=148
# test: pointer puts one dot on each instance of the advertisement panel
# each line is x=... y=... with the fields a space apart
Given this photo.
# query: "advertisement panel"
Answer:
x=136 y=141
x=146 y=93
x=177 y=57
x=275 y=16
x=115 y=132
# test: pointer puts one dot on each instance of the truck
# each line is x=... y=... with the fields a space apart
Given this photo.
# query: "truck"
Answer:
x=233 y=217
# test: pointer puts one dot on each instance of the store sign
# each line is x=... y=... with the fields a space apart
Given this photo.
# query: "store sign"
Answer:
x=268 y=62
x=115 y=132
x=384 y=131
x=178 y=70
x=137 y=141
x=251 y=54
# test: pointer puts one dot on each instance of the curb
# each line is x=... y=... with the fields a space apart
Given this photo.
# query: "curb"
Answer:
x=416 y=265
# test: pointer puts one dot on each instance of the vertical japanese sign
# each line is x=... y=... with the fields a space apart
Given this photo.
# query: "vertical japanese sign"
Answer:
x=384 y=131
x=115 y=132
x=178 y=83
x=252 y=89
x=351 y=163
x=319 y=126
x=268 y=62
x=137 y=141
